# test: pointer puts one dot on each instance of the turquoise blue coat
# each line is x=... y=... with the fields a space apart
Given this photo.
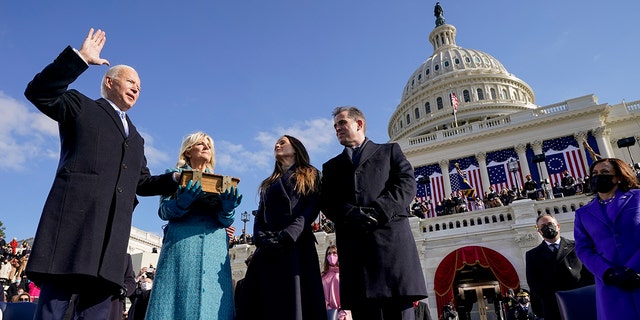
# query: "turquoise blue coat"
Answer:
x=193 y=275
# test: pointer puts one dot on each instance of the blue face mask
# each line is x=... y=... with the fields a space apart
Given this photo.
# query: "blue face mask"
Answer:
x=602 y=183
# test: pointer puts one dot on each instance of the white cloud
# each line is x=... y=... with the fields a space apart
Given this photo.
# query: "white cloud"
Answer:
x=28 y=134
x=155 y=157
x=24 y=135
x=315 y=134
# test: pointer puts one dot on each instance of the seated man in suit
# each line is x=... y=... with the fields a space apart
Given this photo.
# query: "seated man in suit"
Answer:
x=523 y=310
x=553 y=266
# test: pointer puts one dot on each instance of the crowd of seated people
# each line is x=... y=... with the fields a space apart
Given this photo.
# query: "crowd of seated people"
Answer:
x=457 y=203
x=321 y=225
x=13 y=260
x=241 y=239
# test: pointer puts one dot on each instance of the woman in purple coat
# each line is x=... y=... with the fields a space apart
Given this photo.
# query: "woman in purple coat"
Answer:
x=607 y=234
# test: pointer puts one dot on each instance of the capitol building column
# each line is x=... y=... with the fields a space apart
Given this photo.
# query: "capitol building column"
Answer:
x=484 y=174
x=521 y=150
x=536 y=146
x=444 y=167
x=602 y=139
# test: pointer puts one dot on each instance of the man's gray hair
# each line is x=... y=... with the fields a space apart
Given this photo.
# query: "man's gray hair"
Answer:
x=112 y=73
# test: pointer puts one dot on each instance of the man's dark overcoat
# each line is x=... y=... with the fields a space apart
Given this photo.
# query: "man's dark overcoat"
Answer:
x=382 y=263
x=85 y=224
x=549 y=272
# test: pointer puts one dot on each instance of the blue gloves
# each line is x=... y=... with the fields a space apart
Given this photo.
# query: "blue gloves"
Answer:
x=230 y=199
x=188 y=194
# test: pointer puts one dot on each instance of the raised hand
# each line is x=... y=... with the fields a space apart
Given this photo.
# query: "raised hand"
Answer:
x=92 y=46
x=230 y=199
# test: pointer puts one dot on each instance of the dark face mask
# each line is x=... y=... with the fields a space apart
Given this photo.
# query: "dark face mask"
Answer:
x=602 y=183
x=549 y=231
x=523 y=300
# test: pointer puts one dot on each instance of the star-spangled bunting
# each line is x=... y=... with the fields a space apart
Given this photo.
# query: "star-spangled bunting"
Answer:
x=563 y=154
x=434 y=189
x=498 y=167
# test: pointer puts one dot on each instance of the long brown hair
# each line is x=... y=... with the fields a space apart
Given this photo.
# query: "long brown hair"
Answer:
x=305 y=177
x=628 y=178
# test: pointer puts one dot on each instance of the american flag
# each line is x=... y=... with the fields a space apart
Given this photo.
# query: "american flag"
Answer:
x=454 y=101
x=498 y=167
x=500 y=177
x=468 y=180
x=437 y=190
x=434 y=189
x=563 y=154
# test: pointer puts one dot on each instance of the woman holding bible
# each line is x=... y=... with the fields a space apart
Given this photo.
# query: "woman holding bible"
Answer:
x=193 y=275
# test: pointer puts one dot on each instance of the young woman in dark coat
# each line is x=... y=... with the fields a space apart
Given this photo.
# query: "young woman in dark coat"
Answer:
x=283 y=280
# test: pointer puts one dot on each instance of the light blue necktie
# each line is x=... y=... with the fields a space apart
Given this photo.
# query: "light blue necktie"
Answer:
x=124 y=122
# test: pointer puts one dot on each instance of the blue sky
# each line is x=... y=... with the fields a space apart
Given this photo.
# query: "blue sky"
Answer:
x=247 y=72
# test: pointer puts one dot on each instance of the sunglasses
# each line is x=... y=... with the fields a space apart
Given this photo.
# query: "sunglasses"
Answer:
x=24 y=299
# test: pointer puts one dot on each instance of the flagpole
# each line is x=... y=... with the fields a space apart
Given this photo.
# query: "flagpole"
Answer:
x=453 y=99
x=455 y=119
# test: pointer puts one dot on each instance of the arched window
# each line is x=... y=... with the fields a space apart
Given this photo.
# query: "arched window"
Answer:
x=439 y=102
x=408 y=119
x=480 y=94
x=427 y=107
x=466 y=95
x=417 y=113
x=493 y=94
x=503 y=95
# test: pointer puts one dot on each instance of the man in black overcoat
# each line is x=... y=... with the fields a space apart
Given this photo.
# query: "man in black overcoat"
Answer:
x=81 y=241
x=366 y=192
x=553 y=266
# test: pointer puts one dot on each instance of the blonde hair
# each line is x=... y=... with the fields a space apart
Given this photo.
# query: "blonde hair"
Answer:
x=188 y=142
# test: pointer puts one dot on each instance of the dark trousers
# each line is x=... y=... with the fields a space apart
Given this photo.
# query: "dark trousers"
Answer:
x=383 y=309
x=92 y=303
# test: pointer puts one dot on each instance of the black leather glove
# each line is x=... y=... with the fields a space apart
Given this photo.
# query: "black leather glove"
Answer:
x=264 y=238
x=622 y=277
x=634 y=277
x=274 y=240
x=362 y=218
